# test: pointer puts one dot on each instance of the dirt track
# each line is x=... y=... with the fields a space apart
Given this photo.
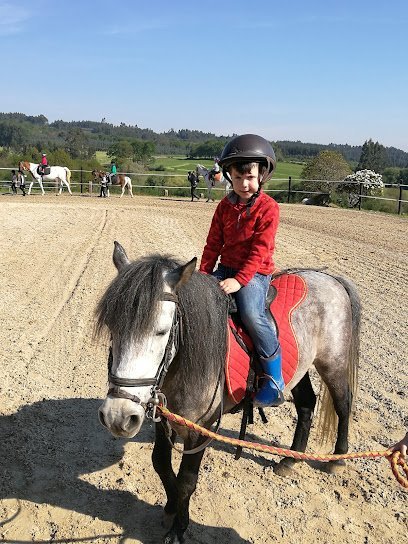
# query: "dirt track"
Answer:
x=65 y=479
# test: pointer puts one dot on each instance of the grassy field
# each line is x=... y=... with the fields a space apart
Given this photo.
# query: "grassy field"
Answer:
x=181 y=165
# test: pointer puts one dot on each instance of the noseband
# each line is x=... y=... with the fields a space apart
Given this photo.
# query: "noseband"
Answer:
x=157 y=397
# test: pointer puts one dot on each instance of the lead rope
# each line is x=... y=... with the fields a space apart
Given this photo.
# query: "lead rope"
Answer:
x=394 y=457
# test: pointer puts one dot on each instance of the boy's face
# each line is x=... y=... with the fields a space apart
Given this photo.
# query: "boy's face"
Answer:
x=245 y=185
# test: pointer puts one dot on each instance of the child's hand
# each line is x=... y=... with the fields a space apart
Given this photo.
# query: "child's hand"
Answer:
x=230 y=285
x=402 y=446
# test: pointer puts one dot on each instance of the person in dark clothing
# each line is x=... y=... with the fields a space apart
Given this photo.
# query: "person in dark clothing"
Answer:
x=193 y=179
x=14 y=182
x=104 y=187
x=21 y=181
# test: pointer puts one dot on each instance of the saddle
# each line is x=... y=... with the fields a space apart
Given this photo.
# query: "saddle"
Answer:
x=44 y=170
x=286 y=292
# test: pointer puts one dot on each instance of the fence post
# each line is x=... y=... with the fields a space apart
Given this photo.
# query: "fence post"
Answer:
x=289 y=188
x=81 y=178
x=360 y=192
x=400 y=198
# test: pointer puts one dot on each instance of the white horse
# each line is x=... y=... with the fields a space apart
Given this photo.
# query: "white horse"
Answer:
x=62 y=174
x=221 y=182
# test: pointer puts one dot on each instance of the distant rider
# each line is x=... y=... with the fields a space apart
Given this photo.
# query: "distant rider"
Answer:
x=43 y=164
x=112 y=174
x=214 y=171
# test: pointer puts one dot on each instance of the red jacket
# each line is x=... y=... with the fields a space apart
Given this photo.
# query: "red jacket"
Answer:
x=44 y=161
x=244 y=236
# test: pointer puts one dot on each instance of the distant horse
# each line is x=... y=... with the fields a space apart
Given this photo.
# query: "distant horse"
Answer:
x=168 y=330
x=221 y=182
x=117 y=179
x=61 y=174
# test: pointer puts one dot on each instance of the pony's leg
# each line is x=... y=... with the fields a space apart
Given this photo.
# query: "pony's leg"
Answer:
x=161 y=458
x=186 y=483
x=29 y=189
x=305 y=402
x=68 y=187
x=130 y=190
x=41 y=185
x=123 y=191
x=341 y=396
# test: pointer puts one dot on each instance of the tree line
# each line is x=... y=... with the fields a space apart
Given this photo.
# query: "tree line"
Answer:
x=82 y=138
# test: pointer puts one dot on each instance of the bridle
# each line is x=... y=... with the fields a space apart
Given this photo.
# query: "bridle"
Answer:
x=157 y=397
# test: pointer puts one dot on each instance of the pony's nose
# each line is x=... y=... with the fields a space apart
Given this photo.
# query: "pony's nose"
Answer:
x=121 y=417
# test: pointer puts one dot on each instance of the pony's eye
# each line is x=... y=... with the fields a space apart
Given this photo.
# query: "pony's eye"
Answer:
x=161 y=333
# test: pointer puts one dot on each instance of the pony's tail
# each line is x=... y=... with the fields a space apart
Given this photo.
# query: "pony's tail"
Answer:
x=327 y=419
x=68 y=171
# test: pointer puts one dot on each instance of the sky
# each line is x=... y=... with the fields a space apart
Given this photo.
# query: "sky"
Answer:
x=320 y=71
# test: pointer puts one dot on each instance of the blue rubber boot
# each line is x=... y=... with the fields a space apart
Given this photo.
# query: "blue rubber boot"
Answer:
x=271 y=391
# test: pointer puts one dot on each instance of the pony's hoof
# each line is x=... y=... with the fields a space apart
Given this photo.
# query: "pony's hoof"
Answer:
x=172 y=538
x=285 y=468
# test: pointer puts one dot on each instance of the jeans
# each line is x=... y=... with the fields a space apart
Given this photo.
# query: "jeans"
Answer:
x=250 y=301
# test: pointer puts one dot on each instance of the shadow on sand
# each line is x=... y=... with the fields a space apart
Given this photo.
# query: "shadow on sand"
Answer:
x=46 y=447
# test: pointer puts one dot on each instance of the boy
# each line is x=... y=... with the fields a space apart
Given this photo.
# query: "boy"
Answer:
x=243 y=233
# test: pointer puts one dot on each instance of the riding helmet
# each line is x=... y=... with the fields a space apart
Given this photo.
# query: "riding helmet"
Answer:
x=247 y=148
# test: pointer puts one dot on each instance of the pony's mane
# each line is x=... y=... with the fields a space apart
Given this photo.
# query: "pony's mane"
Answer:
x=129 y=305
x=129 y=308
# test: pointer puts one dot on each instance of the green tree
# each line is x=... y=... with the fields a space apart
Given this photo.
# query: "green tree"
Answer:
x=373 y=157
x=59 y=157
x=143 y=151
x=13 y=135
x=76 y=143
x=121 y=150
x=327 y=165
x=391 y=175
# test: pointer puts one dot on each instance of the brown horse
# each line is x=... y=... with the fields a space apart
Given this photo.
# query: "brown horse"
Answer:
x=117 y=179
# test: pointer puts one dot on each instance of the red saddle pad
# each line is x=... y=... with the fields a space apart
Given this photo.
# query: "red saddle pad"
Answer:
x=291 y=291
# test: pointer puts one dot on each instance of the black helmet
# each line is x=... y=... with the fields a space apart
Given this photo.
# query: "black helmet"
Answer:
x=247 y=148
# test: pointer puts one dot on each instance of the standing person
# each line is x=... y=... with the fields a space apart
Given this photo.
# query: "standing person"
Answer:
x=112 y=174
x=43 y=164
x=242 y=234
x=104 y=187
x=14 y=182
x=21 y=181
x=193 y=179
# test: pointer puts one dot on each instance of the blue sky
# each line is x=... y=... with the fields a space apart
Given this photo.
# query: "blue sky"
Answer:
x=315 y=71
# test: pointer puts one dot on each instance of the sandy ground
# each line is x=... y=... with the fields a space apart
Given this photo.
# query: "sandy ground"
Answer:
x=65 y=479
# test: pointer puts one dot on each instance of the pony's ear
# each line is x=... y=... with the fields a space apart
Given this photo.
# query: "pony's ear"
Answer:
x=182 y=274
x=120 y=259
